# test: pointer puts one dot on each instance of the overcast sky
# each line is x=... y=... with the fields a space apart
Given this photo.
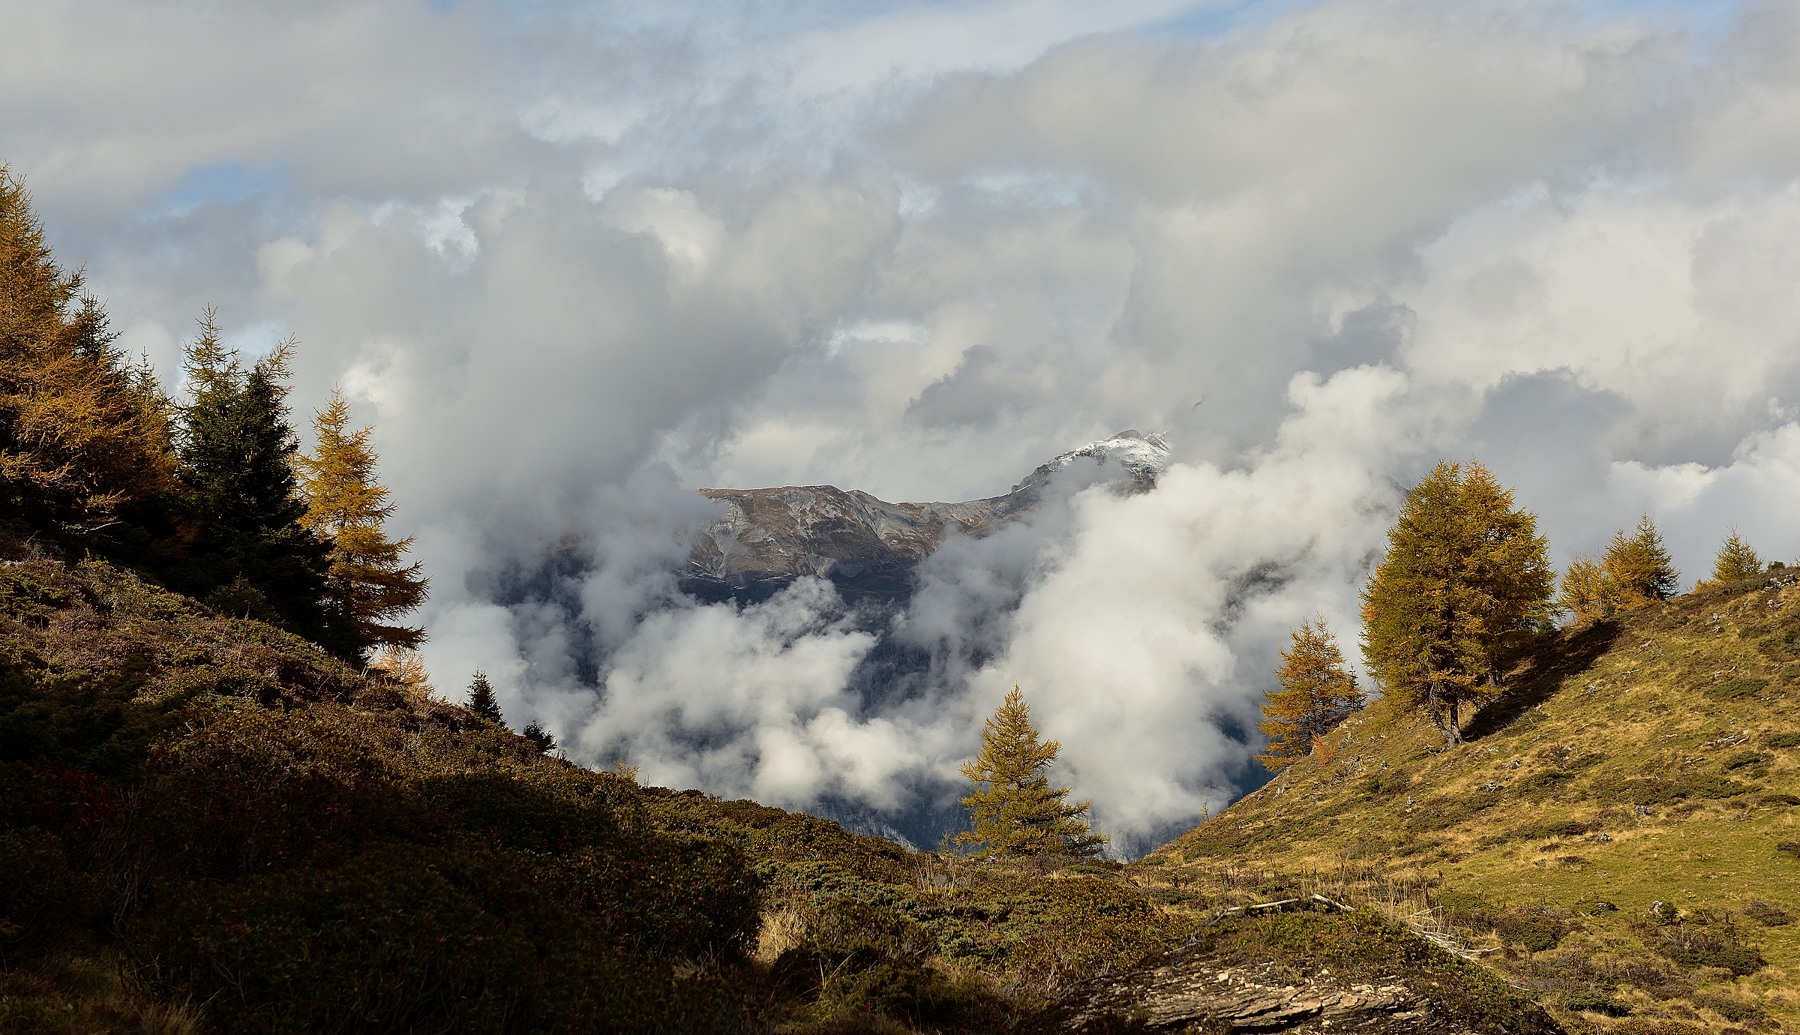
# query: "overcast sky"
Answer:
x=573 y=260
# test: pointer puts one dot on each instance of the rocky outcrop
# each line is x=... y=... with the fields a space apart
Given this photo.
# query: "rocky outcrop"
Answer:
x=769 y=537
x=766 y=538
x=1208 y=995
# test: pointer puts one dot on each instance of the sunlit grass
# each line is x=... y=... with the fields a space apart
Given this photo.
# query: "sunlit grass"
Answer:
x=1655 y=761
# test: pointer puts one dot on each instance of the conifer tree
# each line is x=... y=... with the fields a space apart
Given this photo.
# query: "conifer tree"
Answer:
x=366 y=584
x=1013 y=808
x=1466 y=576
x=1317 y=694
x=81 y=439
x=403 y=666
x=481 y=699
x=1587 y=593
x=1735 y=562
x=1638 y=568
x=237 y=450
x=541 y=737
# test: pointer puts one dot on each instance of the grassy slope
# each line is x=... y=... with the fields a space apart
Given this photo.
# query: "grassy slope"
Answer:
x=1654 y=760
x=209 y=825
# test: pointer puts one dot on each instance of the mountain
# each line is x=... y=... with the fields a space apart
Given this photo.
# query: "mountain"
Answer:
x=1620 y=835
x=868 y=547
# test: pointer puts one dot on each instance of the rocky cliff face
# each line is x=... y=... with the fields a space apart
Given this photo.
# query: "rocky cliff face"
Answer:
x=869 y=547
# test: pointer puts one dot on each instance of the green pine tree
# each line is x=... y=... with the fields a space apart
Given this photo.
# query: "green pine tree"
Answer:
x=541 y=737
x=1465 y=578
x=481 y=699
x=1013 y=808
x=250 y=551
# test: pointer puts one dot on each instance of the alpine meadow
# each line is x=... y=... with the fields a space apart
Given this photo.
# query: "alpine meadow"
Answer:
x=1165 y=516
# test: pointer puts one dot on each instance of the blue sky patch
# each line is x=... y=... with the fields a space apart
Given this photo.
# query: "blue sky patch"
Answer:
x=220 y=183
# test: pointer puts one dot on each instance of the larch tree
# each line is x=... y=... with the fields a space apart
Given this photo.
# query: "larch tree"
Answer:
x=405 y=667
x=1465 y=578
x=251 y=554
x=1316 y=695
x=1638 y=569
x=1586 y=593
x=81 y=437
x=367 y=584
x=1735 y=562
x=1013 y=809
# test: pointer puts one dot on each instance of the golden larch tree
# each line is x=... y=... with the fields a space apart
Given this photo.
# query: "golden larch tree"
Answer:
x=81 y=435
x=1466 y=578
x=1012 y=806
x=1638 y=567
x=404 y=666
x=1316 y=694
x=1635 y=571
x=1586 y=592
x=368 y=582
x=1735 y=562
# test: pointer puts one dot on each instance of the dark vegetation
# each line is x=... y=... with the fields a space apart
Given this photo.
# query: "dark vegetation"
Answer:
x=203 y=495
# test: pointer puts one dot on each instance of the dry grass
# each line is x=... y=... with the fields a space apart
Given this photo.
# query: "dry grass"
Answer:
x=782 y=928
x=78 y=995
x=1651 y=761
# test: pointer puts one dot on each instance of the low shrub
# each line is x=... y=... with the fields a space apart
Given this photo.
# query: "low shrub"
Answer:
x=1745 y=759
x=1660 y=790
x=409 y=938
x=1766 y=914
x=1534 y=930
x=1737 y=688
x=1593 y=1002
x=1705 y=939
x=43 y=898
x=1730 y=1007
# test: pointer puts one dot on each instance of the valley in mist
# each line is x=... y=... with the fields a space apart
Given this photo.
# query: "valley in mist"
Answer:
x=576 y=264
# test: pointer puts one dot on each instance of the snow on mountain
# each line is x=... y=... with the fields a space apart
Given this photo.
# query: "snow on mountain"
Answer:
x=1142 y=457
x=868 y=547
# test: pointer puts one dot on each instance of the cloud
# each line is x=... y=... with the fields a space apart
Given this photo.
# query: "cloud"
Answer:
x=575 y=262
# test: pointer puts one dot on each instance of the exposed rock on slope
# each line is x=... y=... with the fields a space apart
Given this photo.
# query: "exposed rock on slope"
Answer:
x=869 y=547
x=1258 y=998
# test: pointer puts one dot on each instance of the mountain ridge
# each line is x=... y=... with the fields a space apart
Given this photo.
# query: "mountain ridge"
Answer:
x=868 y=547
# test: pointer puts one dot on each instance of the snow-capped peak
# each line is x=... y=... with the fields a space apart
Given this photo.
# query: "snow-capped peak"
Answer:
x=1138 y=453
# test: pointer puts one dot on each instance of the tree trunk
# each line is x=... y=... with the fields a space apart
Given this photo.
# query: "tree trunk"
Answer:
x=1436 y=706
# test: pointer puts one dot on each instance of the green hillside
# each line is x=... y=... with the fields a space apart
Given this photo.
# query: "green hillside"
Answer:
x=1620 y=835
